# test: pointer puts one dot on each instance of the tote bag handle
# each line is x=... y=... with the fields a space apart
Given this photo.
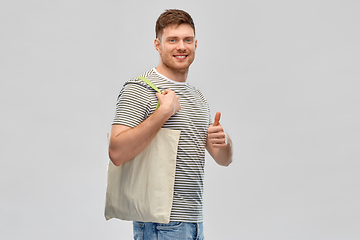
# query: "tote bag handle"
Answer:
x=148 y=82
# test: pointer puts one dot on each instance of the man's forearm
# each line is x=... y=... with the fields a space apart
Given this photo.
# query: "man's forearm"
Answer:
x=126 y=142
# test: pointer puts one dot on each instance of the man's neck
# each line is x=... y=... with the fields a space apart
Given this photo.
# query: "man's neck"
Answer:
x=178 y=76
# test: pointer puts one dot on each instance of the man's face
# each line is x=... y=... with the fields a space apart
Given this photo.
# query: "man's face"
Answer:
x=177 y=47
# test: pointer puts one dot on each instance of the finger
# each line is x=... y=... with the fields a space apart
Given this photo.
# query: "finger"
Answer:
x=222 y=145
x=219 y=141
x=217 y=118
x=158 y=94
x=166 y=91
x=217 y=135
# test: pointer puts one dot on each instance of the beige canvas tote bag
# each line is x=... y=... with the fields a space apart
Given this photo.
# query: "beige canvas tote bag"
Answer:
x=142 y=188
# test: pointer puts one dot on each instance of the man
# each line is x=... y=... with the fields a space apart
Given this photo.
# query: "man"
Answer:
x=181 y=107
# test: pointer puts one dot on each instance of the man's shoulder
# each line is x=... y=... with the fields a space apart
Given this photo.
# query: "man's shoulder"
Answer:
x=196 y=89
x=136 y=82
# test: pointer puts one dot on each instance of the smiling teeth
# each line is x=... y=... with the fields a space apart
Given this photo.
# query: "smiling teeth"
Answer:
x=180 y=56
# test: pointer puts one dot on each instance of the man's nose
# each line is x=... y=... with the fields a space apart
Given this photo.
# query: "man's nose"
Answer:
x=181 y=45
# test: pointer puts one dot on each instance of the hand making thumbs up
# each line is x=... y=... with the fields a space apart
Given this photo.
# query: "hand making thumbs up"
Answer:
x=216 y=134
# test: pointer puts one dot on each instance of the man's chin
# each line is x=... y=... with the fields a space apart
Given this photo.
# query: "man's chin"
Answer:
x=179 y=69
x=182 y=70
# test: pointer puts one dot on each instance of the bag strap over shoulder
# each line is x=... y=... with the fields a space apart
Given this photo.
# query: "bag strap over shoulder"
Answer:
x=147 y=81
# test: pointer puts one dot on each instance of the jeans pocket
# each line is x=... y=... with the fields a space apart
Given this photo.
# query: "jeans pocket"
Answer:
x=171 y=226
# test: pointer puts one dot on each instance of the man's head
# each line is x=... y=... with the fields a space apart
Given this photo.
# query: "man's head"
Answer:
x=172 y=17
x=175 y=43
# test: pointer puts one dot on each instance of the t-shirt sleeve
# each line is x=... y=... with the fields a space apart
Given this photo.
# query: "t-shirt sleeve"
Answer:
x=203 y=99
x=133 y=105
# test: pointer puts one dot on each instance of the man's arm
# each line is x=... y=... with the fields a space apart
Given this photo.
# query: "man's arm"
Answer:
x=126 y=142
x=218 y=143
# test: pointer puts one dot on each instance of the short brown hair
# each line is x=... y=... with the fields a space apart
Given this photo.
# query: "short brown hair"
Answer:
x=172 y=16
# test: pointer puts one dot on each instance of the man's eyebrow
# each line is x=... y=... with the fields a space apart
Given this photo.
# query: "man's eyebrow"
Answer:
x=171 y=37
x=191 y=37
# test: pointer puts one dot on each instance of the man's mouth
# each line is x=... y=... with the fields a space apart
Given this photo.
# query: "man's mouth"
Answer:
x=180 y=57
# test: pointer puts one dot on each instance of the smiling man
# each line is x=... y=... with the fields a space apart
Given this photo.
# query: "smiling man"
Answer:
x=181 y=107
x=176 y=45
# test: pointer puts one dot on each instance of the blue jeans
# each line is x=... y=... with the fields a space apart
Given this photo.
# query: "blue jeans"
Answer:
x=168 y=231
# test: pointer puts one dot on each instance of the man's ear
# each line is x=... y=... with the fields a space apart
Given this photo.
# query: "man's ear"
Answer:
x=157 y=45
x=195 y=44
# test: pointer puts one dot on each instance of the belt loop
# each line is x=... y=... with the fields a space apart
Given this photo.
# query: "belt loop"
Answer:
x=197 y=230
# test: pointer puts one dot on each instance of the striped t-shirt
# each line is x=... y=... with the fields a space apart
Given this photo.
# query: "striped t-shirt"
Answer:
x=137 y=101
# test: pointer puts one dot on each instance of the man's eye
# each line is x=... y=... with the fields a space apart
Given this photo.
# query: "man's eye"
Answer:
x=172 y=40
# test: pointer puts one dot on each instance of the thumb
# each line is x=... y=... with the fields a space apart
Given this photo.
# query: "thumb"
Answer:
x=217 y=118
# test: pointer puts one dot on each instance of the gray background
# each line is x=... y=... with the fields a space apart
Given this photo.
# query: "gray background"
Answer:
x=284 y=74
